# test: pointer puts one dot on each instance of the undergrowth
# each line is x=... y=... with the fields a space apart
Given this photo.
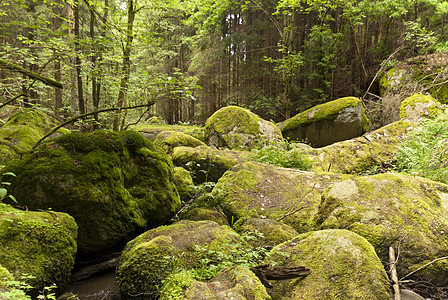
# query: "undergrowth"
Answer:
x=425 y=151
x=283 y=154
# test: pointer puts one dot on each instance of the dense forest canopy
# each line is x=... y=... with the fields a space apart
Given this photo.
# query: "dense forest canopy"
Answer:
x=192 y=57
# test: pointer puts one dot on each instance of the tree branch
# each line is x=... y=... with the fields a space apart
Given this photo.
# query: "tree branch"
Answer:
x=17 y=68
x=86 y=115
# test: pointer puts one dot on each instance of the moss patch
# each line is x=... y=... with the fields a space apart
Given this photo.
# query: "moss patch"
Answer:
x=393 y=210
x=205 y=163
x=232 y=283
x=418 y=106
x=154 y=255
x=112 y=183
x=41 y=244
x=361 y=154
x=265 y=191
x=237 y=128
x=171 y=139
x=343 y=266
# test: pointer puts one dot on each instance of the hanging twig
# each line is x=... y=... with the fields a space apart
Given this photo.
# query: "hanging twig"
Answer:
x=11 y=100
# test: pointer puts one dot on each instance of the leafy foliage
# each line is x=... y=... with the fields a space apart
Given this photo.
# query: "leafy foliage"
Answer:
x=425 y=151
x=283 y=154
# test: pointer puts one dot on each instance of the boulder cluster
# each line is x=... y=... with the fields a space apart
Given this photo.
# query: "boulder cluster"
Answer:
x=199 y=219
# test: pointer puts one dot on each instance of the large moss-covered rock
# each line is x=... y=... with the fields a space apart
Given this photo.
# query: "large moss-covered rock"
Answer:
x=171 y=139
x=419 y=106
x=362 y=154
x=237 y=128
x=206 y=163
x=407 y=213
x=412 y=76
x=113 y=184
x=331 y=122
x=157 y=253
x=343 y=266
x=266 y=191
x=23 y=128
x=232 y=283
x=40 y=244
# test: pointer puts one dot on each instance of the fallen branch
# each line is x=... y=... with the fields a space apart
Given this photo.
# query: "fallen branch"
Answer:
x=393 y=274
x=17 y=68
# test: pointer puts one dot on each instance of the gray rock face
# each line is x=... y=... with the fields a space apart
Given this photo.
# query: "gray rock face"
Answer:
x=328 y=123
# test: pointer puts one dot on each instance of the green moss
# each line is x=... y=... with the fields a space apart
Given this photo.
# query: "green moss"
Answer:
x=343 y=266
x=112 y=183
x=204 y=163
x=237 y=128
x=171 y=139
x=326 y=111
x=154 y=129
x=433 y=110
x=153 y=256
x=200 y=214
x=41 y=244
x=184 y=183
x=391 y=210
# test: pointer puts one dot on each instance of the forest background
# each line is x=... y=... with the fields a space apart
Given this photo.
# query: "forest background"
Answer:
x=191 y=57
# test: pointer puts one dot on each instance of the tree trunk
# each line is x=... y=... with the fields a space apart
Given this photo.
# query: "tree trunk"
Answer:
x=78 y=60
x=126 y=68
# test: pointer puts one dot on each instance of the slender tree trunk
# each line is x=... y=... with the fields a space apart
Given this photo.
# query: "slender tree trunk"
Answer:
x=126 y=67
x=73 y=85
x=57 y=21
x=78 y=60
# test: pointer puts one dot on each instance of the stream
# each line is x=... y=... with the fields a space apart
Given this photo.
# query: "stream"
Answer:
x=101 y=287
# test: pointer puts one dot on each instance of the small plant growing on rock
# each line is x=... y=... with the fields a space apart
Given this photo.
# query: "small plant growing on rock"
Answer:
x=425 y=151
x=3 y=184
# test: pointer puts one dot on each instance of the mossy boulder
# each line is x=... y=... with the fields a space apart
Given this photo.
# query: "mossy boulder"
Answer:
x=419 y=106
x=157 y=253
x=150 y=131
x=113 y=184
x=232 y=283
x=234 y=127
x=266 y=191
x=343 y=266
x=265 y=232
x=409 y=77
x=184 y=183
x=206 y=163
x=202 y=213
x=22 y=129
x=407 y=213
x=40 y=244
x=325 y=124
x=370 y=152
x=171 y=139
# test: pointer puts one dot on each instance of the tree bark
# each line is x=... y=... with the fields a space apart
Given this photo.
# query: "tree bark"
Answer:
x=78 y=60
x=126 y=67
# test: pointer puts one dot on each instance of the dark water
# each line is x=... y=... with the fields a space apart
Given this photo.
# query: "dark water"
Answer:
x=102 y=287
